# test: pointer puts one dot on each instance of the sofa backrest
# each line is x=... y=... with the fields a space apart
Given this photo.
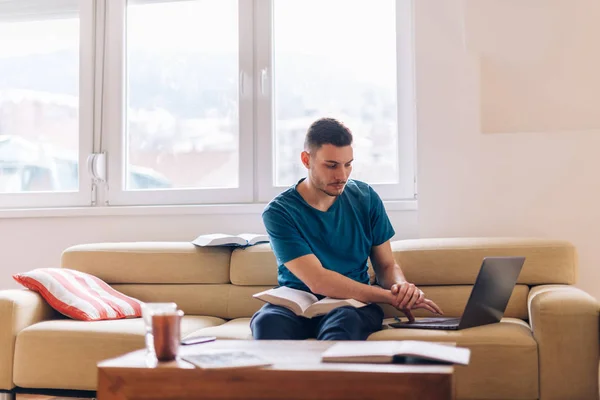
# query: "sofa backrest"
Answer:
x=439 y=261
x=220 y=281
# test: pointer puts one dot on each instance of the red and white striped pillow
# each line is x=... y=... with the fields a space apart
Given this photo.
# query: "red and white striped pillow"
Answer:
x=79 y=295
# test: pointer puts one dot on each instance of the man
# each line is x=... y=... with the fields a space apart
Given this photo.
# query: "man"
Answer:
x=322 y=231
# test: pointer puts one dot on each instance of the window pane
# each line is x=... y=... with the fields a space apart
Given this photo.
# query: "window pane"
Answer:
x=336 y=58
x=39 y=103
x=182 y=118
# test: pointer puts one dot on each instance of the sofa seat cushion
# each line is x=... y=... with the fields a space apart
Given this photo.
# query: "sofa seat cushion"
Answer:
x=62 y=354
x=504 y=358
x=238 y=328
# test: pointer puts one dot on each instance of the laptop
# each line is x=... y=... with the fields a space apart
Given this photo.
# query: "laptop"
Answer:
x=488 y=300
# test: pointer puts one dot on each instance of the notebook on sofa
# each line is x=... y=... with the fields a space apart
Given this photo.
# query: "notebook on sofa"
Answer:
x=221 y=239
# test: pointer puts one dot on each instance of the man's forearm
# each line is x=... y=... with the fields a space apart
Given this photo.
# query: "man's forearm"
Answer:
x=390 y=275
x=335 y=285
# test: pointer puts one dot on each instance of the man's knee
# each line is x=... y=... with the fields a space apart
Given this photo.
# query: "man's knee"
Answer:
x=346 y=315
x=265 y=325
x=349 y=323
x=272 y=323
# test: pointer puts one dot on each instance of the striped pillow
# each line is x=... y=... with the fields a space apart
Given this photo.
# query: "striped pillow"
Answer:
x=79 y=295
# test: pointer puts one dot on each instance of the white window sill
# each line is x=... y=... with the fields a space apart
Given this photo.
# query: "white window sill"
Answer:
x=221 y=209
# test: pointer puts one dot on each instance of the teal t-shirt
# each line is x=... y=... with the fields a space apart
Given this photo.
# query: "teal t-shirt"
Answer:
x=341 y=238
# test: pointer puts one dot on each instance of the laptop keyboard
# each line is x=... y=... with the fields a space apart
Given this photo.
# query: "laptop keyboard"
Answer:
x=449 y=322
x=449 y=326
x=434 y=323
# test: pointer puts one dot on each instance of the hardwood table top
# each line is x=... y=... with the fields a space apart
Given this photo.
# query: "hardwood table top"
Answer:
x=296 y=373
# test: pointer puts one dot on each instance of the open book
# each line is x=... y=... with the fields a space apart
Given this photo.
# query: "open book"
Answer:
x=221 y=239
x=303 y=303
x=400 y=352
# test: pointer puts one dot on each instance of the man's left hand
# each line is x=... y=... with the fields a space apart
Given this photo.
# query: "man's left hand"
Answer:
x=409 y=297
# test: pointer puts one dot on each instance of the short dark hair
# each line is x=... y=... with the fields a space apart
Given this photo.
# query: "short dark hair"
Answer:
x=327 y=131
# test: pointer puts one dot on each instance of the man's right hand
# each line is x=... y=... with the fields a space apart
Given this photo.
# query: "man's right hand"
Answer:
x=406 y=297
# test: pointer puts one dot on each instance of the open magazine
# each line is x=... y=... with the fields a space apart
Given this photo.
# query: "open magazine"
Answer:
x=303 y=303
x=212 y=359
x=401 y=352
x=221 y=239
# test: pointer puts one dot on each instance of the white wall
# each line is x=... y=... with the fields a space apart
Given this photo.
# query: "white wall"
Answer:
x=28 y=243
x=540 y=183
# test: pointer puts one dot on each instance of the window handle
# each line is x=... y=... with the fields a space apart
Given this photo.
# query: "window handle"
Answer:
x=97 y=166
x=242 y=92
x=263 y=81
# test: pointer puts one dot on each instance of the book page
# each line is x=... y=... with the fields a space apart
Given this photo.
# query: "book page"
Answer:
x=327 y=304
x=434 y=351
x=296 y=300
x=355 y=303
x=372 y=351
x=384 y=351
x=226 y=359
x=254 y=238
x=218 y=239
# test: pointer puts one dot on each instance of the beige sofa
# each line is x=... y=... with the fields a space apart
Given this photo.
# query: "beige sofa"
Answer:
x=546 y=347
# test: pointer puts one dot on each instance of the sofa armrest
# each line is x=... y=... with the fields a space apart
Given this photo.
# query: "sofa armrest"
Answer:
x=564 y=321
x=18 y=310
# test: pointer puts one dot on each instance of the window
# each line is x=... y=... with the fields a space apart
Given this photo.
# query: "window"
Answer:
x=179 y=108
x=347 y=59
x=197 y=101
x=348 y=72
x=44 y=118
x=182 y=86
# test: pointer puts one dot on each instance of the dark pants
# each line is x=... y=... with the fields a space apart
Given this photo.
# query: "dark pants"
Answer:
x=344 y=323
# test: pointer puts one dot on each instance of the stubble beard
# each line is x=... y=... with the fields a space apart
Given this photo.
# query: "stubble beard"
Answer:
x=317 y=183
x=323 y=188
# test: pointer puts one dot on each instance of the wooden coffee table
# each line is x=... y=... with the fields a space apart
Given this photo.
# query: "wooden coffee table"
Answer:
x=297 y=373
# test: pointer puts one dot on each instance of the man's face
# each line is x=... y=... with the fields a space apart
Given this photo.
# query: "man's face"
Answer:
x=329 y=168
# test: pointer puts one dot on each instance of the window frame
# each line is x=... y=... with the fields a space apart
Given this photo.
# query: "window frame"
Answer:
x=405 y=189
x=81 y=197
x=102 y=118
x=114 y=134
